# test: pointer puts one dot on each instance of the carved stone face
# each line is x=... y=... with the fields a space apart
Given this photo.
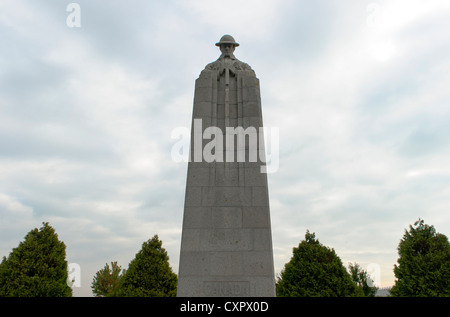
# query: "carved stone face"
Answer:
x=227 y=49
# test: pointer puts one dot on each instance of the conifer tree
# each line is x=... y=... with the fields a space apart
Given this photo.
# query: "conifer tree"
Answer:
x=424 y=263
x=149 y=273
x=106 y=282
x=315 y=271
x=37 y=267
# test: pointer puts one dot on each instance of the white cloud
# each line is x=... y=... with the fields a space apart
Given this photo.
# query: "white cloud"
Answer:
x=11 y=209
x=245 y=18
x=15 y=219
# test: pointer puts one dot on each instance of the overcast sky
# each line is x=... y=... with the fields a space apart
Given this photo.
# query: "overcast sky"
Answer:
x=358 y=89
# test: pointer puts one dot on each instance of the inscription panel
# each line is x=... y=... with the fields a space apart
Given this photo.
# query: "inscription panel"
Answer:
x=238 y=289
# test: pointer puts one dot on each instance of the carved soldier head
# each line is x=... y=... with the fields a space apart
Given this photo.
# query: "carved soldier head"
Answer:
x=227 y=45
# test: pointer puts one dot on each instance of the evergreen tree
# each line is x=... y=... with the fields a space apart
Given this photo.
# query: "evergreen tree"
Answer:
x=424 y=263
x=315 y=271
x=149 y=274
x=107 y=281
x=37 y=267
x=362 y=279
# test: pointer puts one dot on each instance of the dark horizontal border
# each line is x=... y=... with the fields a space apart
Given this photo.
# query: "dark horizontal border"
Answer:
x=222 y=305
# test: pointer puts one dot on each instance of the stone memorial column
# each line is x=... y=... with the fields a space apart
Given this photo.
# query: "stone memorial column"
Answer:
x=226 y=245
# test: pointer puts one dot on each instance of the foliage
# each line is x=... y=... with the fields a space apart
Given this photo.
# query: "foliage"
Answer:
x=37 y=267
x=315 y=271
x=424 y=263
x=149 y=274
x=362 y=279
x=106 y=282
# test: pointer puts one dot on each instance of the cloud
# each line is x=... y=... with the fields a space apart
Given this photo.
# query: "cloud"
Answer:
x=11 y=209
x=248 y=19
x=15 y=219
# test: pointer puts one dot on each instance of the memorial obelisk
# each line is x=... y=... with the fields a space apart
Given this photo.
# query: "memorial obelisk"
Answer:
x=226 y=244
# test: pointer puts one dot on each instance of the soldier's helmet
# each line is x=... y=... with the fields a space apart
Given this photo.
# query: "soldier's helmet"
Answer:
x=227 y=39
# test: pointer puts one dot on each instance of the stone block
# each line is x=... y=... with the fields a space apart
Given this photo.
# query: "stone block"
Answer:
x=250 y=81
x=190 y=286
x=197 y=217
x=233 y=122
x=227 y=217
x=255 y=122
x=250 y=94
x=226 y=176
x=255 y=217
x=203 y=109
x=262 y=237
x=258 y=263
x=191 y=240
x=203 y=94
x=193 y=196
x=227 y=263
x=254 y=177
x=251 y=109
x=260 y=196
x=195 y=264
x=198 y=176
x=227 y=196
x=232 y=96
